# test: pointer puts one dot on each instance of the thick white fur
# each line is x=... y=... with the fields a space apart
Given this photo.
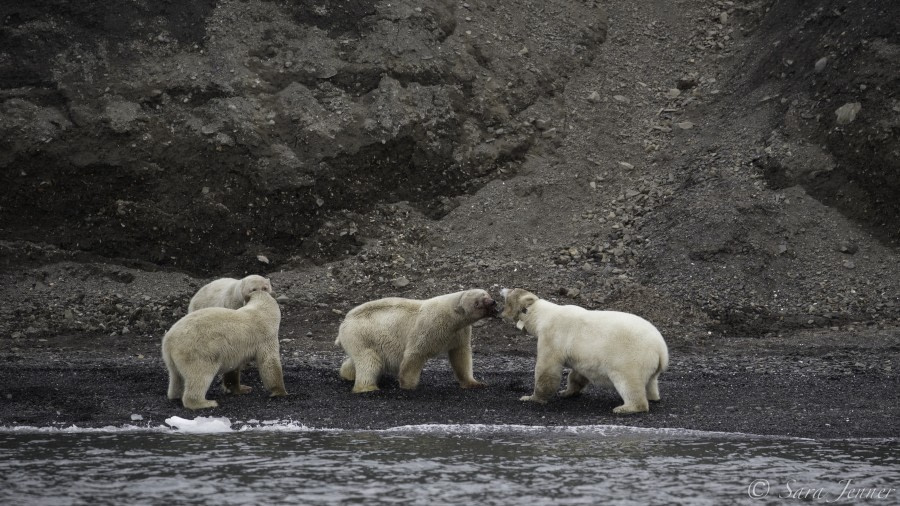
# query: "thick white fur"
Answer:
x=216 y=340
x=601 y=347
x=396 y=336
x=233 y=294
x=228 y=292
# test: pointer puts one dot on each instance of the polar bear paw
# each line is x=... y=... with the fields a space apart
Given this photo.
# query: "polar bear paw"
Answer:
x=532 y=398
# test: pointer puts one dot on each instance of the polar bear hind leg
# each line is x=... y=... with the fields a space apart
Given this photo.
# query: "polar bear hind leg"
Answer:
x=633 y=391
x=196 y=385
x=575 y=384
x=368 y=367
x=348 y=370
x=176 y=385
x=653 y=388
x=176 y=382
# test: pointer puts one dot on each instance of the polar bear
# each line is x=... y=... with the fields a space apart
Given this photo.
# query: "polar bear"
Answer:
x=215 y=340
x=601 y=347
x=233 y=294
x=228 y=292
x=396 y=336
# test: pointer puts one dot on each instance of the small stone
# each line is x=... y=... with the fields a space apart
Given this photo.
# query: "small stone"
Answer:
x=205 y=190
x=523 y=51
x=673 y=93
x=68 y=315
x=262 y=258
x=849 y=264
x=849 y=247
x=626 y=165
x=400 y=282
x=846 y=113
x=621 y=99
x=821 y=63
x=17 y=335
x=282 y=299
x=731 y=408
x=723 y=18
x=686 y=83
x=136 y=417
x=631 y=193
x=685 y=125
x=594 y=97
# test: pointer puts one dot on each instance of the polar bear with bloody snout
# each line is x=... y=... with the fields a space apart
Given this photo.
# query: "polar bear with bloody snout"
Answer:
x=233 y=294
x=601 y=347
x=397 y=336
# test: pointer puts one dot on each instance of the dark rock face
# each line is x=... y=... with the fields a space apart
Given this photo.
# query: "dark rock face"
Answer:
x=201 y=134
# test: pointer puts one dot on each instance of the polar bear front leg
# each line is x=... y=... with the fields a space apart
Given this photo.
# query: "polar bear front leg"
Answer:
x=231 y=382
x=461 y=361
x=271 y=374
x=547 y=374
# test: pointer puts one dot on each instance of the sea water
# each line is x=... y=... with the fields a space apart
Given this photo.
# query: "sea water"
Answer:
x=215 y=461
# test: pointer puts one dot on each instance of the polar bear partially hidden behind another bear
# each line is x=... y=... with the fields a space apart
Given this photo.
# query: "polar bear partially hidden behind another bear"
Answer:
x=601 y=347
x=233 y=294
x=396 y=336
x=216 y=340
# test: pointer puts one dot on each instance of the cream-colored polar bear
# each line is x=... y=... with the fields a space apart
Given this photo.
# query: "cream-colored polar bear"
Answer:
x=228 y=292
x=396 y=336
x=216 y=340
x=601 y=347
x=233 y=294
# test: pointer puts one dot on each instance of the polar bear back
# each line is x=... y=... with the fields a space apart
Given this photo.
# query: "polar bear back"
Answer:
x=224 y=292
x=380 y=323
x=611 y=336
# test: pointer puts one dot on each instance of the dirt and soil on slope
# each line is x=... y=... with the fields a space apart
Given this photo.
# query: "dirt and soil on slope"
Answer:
x=725 y=169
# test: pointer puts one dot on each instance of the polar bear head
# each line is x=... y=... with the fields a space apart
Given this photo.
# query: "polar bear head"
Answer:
x=516 y=303
x=254 y=283
x=475 y=304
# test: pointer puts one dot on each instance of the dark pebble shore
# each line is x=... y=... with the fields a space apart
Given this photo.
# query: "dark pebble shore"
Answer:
x=815 y=385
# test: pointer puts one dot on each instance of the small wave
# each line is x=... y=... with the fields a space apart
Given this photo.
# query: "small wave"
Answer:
x=218 y=425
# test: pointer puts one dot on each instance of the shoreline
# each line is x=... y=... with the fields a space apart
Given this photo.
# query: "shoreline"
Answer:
x=816 y=386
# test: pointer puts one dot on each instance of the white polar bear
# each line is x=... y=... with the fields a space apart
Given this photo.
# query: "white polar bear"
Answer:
x=233 y=294
x=228 y=292
x=396 y=336
x=216 y=340
x=601 y=347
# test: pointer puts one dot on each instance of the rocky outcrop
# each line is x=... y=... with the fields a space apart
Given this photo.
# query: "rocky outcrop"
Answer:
x=201 y=135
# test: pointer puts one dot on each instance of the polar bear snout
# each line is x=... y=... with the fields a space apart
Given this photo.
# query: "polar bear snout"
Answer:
x=488 y=304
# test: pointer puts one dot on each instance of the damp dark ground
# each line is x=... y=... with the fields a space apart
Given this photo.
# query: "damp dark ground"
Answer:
x=727 y=170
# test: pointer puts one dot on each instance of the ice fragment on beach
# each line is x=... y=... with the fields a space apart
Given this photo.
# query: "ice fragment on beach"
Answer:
x=201 y=424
